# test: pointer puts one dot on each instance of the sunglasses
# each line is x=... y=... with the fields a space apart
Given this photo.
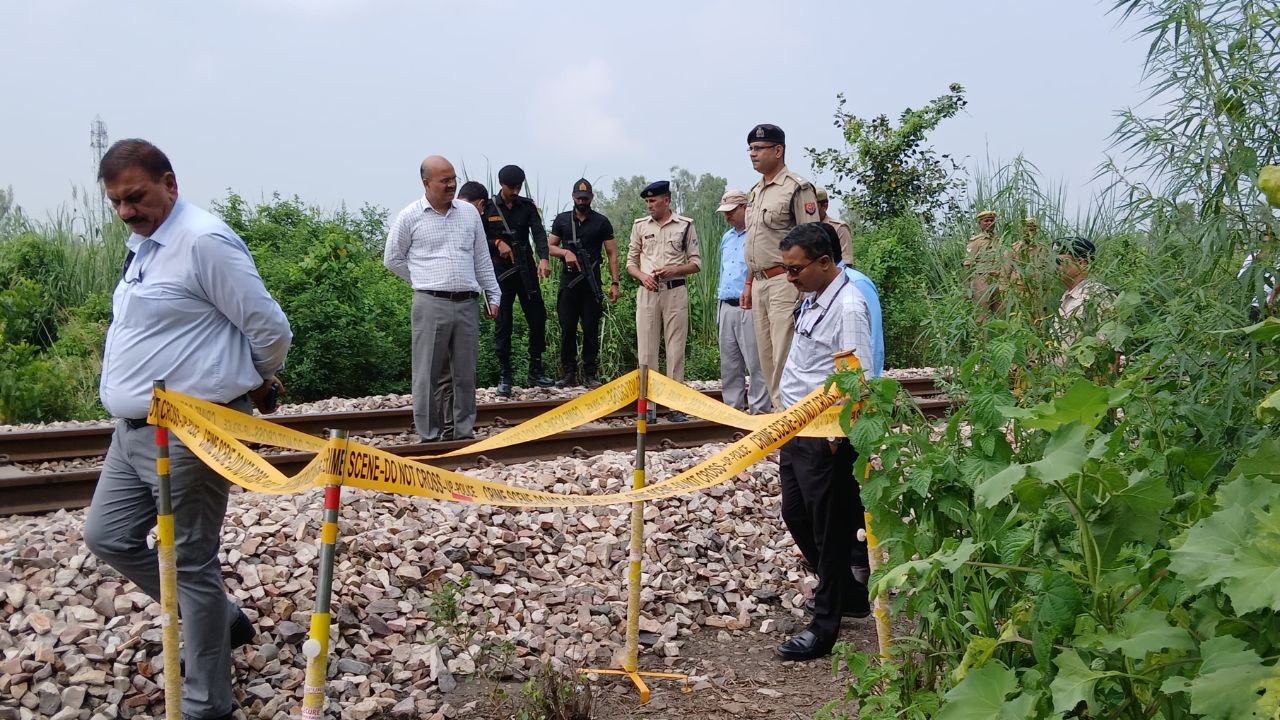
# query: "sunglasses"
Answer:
x=794 y=270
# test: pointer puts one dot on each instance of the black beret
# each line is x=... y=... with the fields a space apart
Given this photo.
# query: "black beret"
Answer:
x=511 y=176
x=582 y=188
x=656 y=188
x=767 y=133
x=1077 y=247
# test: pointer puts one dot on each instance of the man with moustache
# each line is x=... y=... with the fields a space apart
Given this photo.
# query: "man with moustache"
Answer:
x=821 y=502
x=780 y=201
x=577 y=237
x=190 y=309
x=437 y=244
x=662 y=254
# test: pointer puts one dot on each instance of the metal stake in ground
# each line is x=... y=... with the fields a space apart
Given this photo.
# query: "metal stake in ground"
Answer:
x=316 y=648
x=631 y=663
x=168 y=576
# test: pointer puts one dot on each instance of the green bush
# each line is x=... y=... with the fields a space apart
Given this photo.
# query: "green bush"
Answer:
x=892 y=254
x=350 y=317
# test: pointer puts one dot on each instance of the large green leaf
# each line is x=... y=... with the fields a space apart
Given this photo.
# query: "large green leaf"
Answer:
x=1084 y=403
x=981 y=696
x=1132 y=515
x=1270 y=403
x=1056 y=609
x=1238 y=546
x=993 y=490
x=1232 y=683
x=1143 y=630
x=1075 y=682
x=1064 y=455
x=1265 y=331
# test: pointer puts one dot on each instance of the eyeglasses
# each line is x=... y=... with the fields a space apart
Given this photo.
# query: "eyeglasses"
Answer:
x=794 y=270
x=761 y=147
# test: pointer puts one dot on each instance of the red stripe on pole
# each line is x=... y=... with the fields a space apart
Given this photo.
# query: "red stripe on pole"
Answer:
x=642 y=405
x=332 y=494
x=162 y=435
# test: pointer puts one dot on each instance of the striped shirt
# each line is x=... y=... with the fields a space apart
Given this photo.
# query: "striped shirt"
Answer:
x=832 y=322
x=446 y=253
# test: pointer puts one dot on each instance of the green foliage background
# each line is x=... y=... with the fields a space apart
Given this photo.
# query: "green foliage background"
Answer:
x=350 y=316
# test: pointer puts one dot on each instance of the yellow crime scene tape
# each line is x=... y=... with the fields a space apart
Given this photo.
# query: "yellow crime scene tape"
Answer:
x=667 y=392
x=578 y=411
x=214 y=434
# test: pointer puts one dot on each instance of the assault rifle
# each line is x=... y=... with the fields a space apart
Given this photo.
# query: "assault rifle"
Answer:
x=590 y=273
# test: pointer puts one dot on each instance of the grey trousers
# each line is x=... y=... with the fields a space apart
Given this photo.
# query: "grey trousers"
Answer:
x=123 y=513
x=446 y=346
x=739 y=357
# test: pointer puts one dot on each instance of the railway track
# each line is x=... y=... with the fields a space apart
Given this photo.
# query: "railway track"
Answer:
x=24 y=492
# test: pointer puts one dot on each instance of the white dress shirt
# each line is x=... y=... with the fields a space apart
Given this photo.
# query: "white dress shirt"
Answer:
x=191 y=310
x=826 y=324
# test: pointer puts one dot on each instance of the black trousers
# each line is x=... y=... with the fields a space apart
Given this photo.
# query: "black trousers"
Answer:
x=576 y=305
x=535 y=315
x=822 y=506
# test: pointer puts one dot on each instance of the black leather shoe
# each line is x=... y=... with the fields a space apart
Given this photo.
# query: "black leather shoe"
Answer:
x=805 y=646
x=677 y=416
x=229 y=716
x=504 y=388
x=853 y=612
x=567 y=380
x=540 y=379
x=861 y=573
x=593 y=382
x=242 y=630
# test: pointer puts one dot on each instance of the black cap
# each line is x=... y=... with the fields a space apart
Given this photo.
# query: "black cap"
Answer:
x=767 y=133
x=656 y=188
x=582 y=188
x=1079 y=247
x=511 y=176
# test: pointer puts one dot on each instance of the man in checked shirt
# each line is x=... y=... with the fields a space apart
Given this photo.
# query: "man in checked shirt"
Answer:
x=821 y=502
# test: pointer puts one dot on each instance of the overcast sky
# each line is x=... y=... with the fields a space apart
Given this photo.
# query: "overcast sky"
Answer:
x=336 y=100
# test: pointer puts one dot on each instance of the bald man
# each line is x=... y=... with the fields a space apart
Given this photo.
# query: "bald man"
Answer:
x=437 y=244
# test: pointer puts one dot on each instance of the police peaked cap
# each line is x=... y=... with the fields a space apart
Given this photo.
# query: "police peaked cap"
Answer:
x=767 y=133
x=656 y=188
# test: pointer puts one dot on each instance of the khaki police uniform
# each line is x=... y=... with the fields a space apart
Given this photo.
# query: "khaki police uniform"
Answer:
x=773 y=208
x=663 y=315
x=846 y=239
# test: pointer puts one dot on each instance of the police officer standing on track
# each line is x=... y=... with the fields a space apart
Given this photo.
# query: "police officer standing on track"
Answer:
x=779 y=202
x=509 y=219
x=577 y=238
x=663 y=252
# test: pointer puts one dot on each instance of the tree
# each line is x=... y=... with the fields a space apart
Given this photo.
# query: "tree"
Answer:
x=698 y=197
x=891 y=170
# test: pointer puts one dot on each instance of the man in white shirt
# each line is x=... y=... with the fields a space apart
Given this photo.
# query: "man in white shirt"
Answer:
x=190 y=309
x=821 y=502
x=437 y=244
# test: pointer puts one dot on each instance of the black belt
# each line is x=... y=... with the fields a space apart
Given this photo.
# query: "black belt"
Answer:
x=731 y=301
x=139 y=423
x=454 y=296
x=672 y=285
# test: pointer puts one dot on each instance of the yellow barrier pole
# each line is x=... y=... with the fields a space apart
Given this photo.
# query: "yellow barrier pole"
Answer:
x=168 y=577
x=637 y=533
x=884 y=629
x=631 y=663
x=846 y=361
x=316 y=648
